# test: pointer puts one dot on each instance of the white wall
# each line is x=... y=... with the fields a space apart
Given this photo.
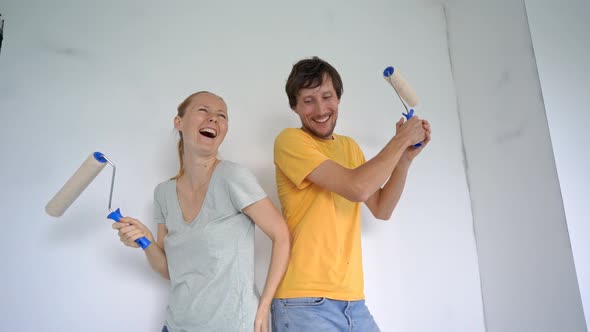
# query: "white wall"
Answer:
x=76 y=77
x=559 y=33
x=526 y=264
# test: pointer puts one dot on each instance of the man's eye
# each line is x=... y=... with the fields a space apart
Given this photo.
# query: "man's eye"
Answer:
x=222 y=116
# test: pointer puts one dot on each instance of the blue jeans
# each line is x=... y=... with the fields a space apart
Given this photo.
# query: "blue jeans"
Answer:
x=319 y=314
x=164 y=329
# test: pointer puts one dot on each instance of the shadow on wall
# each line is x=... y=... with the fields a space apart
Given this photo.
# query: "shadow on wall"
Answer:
x=1 y=31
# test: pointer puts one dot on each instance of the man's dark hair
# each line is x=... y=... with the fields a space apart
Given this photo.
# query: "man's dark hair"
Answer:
x=309 y=74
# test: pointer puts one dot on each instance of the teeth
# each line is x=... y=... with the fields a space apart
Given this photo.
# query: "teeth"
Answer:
x=211 y=131
x=322 y=120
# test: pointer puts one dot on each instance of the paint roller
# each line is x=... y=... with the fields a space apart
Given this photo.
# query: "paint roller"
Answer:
x=76 y=185
x=404 y=91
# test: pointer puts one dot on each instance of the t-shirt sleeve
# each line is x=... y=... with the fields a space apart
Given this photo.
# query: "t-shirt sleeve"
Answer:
x=359 y=155
x=244 y=188
x=296 y=156
x=159 y=205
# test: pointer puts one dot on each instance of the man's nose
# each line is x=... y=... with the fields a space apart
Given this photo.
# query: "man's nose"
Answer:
x=322 y=108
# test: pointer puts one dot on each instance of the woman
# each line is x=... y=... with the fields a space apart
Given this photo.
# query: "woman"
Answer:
x=205 y=239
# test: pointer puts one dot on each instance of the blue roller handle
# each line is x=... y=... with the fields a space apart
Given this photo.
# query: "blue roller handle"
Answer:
x=143 y=242
x=408 y=117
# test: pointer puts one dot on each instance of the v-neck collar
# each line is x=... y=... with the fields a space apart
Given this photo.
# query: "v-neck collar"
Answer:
x=209 y=186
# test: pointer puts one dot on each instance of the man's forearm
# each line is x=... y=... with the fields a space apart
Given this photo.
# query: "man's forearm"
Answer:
x=370 y=176
x=386 y=198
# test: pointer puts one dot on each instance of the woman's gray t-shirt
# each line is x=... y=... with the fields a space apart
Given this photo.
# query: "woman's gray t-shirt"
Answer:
x=211 y=259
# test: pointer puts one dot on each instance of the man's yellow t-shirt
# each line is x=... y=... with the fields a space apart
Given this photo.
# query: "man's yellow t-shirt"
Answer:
x=325 y=227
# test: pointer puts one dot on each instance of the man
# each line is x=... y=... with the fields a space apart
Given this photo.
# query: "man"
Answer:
x=321 y=179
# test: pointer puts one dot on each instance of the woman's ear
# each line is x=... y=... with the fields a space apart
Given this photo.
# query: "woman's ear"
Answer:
x=178 y=123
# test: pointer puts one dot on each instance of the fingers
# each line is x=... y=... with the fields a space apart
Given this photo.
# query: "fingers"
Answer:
x=415 y=129
x=125 y=225
x=424 y=144
x=132 y=234
x=426 y=125
x=416 y=122
x=261 y=325
x=418 y=130
x=414 y=119
x=130 y=241
x=131 y=244
x=119 y=225
x=421 y=127
x=427 y=139
x=126 y=221
x=261 y=320
x=130 y=220
x=413 y=124
x=258 y=325
x=129 y=230
x=399 y=124
x=126 y=229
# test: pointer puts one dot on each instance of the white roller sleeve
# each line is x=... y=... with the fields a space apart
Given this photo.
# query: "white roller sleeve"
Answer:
x=402 y=87
x=74 y=187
